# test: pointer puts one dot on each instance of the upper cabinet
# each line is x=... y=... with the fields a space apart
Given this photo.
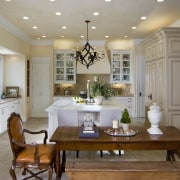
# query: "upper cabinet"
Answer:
x=121 y=66
x=64 y=67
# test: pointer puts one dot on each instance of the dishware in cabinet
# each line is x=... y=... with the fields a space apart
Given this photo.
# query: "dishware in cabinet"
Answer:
x=120 y=66
x=64 y=67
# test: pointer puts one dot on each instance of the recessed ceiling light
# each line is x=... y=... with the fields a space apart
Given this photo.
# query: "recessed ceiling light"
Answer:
x=160 y=0
x=82 y=36
x=52 y=0
x=95 y=13
x=64 y=27
x=58 y=13
x=133 y=27
x=7 y=0
x=62 y=36
x=25 y=18
x=106 y=36
x=143 y=17
x=43 y=36
x=34 y=27
x=108 y=0
x=126 y=36
x=38 y=38
x=93 y=27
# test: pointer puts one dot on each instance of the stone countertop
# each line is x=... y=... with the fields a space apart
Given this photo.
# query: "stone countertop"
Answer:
x=128 y=95
x=6 y=100
x=70 y=104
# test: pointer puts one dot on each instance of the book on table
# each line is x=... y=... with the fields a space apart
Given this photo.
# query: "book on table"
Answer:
x=89 y=131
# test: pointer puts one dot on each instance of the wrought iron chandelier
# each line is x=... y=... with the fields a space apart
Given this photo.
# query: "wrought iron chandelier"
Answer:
x=88 y=56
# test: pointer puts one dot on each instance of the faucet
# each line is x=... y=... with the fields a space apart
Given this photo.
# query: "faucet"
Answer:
x=88 y=90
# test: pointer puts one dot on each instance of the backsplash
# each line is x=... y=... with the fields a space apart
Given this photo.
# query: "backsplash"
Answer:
x=81 y=85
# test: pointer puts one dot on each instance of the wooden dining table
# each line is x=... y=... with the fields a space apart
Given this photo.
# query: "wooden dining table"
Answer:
x=67 y=138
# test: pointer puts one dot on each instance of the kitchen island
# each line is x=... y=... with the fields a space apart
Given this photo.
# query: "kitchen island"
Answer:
x=65 y=112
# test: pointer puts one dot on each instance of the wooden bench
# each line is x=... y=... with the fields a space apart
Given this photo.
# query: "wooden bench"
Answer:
x=124 y=170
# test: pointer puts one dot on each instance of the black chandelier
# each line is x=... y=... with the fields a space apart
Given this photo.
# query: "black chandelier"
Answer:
x=88 y=56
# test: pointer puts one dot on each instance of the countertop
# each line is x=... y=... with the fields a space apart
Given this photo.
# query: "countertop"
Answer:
x=6 y=100
x=128 y=95
x=70 y=104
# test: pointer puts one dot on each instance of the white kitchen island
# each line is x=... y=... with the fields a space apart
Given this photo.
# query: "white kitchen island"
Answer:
x=65 y=112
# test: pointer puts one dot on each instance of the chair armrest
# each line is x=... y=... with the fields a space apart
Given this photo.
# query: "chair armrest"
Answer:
x=38 y=132
x=22 y=144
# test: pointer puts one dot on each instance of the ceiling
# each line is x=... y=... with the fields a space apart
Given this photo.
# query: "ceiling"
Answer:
x=115 y=19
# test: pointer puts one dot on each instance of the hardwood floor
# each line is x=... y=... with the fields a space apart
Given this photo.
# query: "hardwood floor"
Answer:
x=42 y=123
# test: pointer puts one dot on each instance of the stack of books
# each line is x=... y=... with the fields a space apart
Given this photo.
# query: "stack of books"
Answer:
x=88 y=131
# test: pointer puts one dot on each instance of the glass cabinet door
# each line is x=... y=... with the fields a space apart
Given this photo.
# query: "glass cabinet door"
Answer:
x=65 y=69
x=121 y=66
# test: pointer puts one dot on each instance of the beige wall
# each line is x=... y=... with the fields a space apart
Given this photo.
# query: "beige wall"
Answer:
x=11 y=42
x=14 y=75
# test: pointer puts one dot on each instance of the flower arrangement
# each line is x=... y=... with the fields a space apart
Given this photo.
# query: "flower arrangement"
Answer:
x=101 y=88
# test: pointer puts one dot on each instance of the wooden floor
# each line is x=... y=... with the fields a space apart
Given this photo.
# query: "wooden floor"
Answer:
x=42 y=123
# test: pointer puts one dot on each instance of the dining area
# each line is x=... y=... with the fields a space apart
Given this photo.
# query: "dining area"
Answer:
x=67 y=139
x=142 y=152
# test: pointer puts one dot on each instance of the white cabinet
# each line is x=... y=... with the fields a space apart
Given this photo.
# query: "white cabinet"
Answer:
x=6 y=109
x=162 y=53
x=40 y=86
x=64 y=67
x=121 y=66
x=14 y=106
x=155 y=82
x=128 y=103
x=3 y=117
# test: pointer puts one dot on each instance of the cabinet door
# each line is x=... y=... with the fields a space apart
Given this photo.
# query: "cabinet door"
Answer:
x=3 y=118
x=65 y=67
x=40 y=86
x=121 y=67
x=14 y=106
x=154 y=83
x=128 y=103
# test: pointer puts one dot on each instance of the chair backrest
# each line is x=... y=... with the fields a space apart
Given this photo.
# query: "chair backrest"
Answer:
x=15 y=132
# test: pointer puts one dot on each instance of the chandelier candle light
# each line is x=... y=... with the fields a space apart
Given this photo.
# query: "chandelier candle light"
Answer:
x=88 y=56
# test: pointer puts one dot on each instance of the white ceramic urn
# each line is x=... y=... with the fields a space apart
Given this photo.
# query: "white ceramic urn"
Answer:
x=155 y=116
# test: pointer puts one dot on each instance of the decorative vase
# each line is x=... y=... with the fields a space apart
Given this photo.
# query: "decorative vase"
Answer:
x=154 y=115
x=98 y=100
x=125 y=126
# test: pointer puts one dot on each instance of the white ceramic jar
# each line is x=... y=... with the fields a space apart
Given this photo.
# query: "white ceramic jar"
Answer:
x=155 y=116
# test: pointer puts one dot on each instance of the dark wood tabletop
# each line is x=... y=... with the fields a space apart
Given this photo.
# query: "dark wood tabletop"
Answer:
x=67 y=138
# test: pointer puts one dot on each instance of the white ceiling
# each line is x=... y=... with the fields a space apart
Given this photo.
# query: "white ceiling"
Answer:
x=115 y=20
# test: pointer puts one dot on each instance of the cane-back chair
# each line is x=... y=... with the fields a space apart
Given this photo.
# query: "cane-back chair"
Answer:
x=30 y=157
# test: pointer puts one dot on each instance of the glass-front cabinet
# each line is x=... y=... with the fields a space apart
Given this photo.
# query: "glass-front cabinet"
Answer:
x=120 y=66
x=65 y=67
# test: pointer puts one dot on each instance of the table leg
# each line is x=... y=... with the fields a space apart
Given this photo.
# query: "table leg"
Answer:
x=170 y=155
x=58 y=175
x=63 y=165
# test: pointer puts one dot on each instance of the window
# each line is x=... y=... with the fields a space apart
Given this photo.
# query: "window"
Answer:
x=28 y=78
x=1 y=74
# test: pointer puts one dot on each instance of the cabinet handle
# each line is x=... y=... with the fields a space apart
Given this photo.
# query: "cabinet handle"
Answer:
x=150 y=96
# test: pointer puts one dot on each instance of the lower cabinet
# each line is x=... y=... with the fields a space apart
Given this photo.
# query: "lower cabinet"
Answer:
x=3 y=118
x=128 y=102
x=5 y=110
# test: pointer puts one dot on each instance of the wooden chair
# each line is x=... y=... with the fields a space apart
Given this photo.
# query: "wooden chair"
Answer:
x=29 y=156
